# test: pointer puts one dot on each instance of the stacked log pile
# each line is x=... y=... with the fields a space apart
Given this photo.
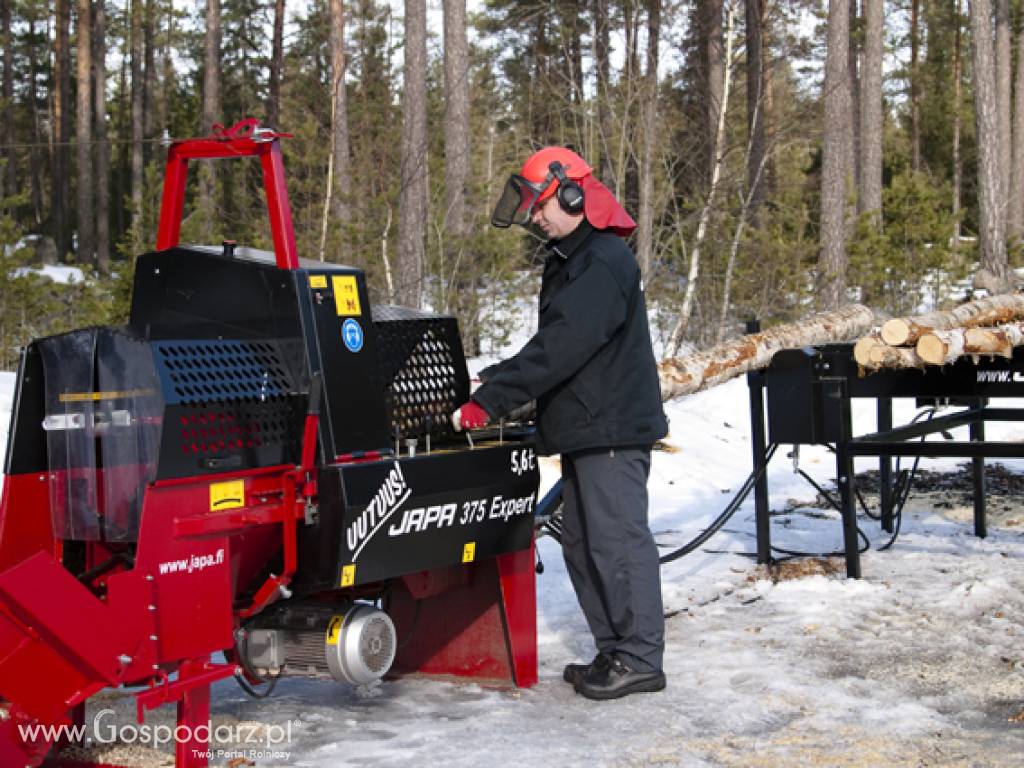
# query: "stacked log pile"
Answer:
x=992 y=326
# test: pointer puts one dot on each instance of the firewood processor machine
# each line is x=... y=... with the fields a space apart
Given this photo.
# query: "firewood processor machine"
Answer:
x=258 y=464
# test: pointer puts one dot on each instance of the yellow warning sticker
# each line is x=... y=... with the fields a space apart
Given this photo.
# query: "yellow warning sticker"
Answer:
x=227 y=495
x=334 y=630
x=469 y=552
x=93 y=397
x=348 y=575
x=318 y=281
x=346 y=295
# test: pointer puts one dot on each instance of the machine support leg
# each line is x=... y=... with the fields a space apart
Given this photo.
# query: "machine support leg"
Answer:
x=77 y=714
x=755 y=380
x=193 y=720
x=977 y=432
x=839 y=404
x=519 y=602
x=885 y=467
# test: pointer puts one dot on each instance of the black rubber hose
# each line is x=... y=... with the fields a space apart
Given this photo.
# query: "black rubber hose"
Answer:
x=244 y=684
x=727 y=513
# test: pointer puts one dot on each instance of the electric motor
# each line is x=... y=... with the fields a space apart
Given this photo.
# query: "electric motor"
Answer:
x=355 y=643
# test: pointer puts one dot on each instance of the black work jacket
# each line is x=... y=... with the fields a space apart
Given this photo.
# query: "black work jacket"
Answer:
x=590 y=366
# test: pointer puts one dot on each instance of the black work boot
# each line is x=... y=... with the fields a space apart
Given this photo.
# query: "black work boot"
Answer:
x=619 y=679
x=574 y=673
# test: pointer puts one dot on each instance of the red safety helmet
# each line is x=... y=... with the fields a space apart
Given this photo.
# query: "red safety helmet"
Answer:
x=541 y=175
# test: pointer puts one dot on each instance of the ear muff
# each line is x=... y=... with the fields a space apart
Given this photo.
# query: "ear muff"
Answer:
x=569 y=192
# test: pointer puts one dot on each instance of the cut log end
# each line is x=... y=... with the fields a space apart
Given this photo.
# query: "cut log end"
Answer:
x=862 y=349
x=932 y=349
x=896 y=331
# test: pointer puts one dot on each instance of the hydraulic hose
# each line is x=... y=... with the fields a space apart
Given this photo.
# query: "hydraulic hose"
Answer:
x=727 y=513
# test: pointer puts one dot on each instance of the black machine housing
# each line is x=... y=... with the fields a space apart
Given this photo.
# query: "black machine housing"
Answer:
x=212 y=376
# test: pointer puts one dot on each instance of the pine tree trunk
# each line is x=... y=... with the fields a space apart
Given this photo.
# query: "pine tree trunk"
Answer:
x=8 y=172
x=756 y=103
x=211 y=115
x=460 y=278
x=602 y=44
x=412 y=204
x=277 y=66
x=1003 y=96
x=915 y=87
x=137 y=90
x=713 y=53
x=122 y=174
x=166 y=66
x=870 y=197
x=211 y=67
x=573 y=50
x=83 y=135
x=341 y=191
x=102 y=153
x=853 y=70
x=994 y=273
x=538 y=113
x=456 y=120
x=36 y=159
x=957 y=107
x=632 y=88
x=645 y=223
x=60 y=180
x=151 y=106
x=835 y=152
x=1015 y=202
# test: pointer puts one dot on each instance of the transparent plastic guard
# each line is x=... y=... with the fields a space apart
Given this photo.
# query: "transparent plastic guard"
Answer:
x=103 y=420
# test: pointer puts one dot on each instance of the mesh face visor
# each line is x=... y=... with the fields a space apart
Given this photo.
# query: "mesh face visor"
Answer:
x=517 y=202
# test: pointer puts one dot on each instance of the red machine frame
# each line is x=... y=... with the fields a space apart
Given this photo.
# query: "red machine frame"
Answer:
x=136 y=626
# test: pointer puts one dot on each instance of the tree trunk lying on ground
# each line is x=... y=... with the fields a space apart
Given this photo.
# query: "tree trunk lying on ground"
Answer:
x=983 y=312
x=941 y=347
x=690 y=373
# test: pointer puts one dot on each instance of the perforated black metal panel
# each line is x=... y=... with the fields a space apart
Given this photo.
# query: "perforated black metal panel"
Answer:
x=222 y=371
x=232 y=404
x=423 y=368
x=208 y=431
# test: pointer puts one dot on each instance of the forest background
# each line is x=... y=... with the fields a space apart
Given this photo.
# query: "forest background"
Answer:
x=779 y=156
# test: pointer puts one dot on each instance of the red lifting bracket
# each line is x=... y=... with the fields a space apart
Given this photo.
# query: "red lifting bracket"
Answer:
x=300 y=488
x=244 y=139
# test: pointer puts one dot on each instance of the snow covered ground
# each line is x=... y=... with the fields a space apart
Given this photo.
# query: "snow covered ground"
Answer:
x=920 y=663
x=58 y=273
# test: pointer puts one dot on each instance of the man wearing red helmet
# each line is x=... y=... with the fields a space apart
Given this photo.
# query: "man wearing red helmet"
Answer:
x=591 y=369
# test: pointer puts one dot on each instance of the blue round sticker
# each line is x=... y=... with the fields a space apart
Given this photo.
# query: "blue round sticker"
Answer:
x=352 y=335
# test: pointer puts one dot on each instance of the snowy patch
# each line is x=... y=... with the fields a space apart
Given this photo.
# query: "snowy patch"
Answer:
x=62 y=275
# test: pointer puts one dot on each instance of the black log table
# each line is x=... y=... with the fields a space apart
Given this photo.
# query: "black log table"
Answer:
x=809 y=392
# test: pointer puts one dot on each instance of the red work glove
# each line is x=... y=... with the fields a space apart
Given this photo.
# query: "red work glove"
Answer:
x=469 y=416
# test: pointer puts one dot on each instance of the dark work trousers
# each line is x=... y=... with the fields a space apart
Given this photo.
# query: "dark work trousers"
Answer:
x=610 y=552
